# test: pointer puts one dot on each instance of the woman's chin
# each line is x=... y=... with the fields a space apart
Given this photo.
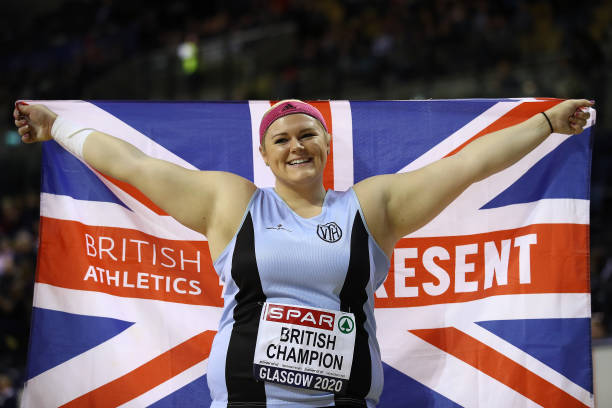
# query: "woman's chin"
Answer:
x=302 y=179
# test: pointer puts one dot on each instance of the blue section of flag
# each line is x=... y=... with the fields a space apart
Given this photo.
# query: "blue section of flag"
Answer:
x=195 y=131
x=389 y=135
x=60 y=169
x=403 y=391
x=59 y=336
x=194 y=394
x=560 y=174
x=561 y=344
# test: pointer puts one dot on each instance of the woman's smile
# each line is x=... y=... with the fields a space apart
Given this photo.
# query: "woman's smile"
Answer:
x=295 y=147
x=303 y=162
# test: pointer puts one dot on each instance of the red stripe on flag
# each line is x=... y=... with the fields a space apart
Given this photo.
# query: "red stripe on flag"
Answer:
x=515 y=116
x=135 y=193
x=555 y=260
x=149 y=375
x=497 y=366
x=328 y=172
x=126 y=262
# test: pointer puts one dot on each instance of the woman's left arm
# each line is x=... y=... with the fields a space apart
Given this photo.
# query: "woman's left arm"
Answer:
x=397 y=204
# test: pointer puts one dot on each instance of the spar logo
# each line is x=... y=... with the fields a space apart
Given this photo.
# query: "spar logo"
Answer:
x=302 y=316
x=329 y=232
x=346 y=324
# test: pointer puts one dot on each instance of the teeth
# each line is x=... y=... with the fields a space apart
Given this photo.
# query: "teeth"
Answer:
x=298 y=161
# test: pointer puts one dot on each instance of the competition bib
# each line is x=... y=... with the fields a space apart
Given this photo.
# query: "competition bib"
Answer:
x=304 y=347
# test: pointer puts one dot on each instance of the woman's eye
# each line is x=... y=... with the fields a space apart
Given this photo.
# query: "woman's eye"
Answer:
x=280 y=140
x=307 y=135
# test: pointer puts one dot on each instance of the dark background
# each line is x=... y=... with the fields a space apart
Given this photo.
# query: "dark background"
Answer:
x=255 y=49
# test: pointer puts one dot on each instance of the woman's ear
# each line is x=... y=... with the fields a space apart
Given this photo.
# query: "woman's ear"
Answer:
x=262 y=152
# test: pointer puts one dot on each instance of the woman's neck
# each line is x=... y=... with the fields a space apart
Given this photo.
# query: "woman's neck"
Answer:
x=306 y=201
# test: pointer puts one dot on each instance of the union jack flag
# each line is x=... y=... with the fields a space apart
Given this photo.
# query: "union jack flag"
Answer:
x=488 y=305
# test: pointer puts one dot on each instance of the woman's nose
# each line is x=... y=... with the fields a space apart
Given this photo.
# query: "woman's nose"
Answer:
x=296 y=144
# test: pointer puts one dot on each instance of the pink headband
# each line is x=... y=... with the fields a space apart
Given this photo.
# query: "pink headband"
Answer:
x=285 y=108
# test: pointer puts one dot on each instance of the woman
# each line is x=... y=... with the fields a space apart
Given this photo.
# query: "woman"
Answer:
x=298 y=245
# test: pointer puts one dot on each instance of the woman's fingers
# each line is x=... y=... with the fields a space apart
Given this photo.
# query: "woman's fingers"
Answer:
x=579 y=118
x=21 y=122
x=577 y=128
x=33 y=122
x=24 y=132
x=581 y=115
x=577 y=124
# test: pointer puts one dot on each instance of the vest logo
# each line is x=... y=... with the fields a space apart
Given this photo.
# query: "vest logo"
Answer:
x=329 y=232
x=278 y=228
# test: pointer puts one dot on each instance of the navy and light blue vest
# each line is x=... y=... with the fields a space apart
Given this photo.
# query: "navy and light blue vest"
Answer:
x=328 y=261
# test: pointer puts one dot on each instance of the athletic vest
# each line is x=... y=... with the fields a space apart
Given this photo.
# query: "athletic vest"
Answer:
x=328 y=261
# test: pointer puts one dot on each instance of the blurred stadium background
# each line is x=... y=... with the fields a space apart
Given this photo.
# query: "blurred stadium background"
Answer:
x=317 y=49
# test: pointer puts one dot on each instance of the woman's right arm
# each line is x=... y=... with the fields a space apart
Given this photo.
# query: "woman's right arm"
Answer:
x=206 y=201
x=194 y=198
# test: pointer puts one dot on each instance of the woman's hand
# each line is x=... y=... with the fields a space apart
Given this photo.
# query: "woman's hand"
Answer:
x=33 y=122
x=569 y=117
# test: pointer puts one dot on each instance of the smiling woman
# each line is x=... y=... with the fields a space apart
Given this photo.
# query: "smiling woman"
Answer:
x=295 y=145
x=296 y=150
x=316 y=255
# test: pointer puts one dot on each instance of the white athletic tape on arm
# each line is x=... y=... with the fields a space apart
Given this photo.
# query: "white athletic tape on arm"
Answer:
x=70 y=135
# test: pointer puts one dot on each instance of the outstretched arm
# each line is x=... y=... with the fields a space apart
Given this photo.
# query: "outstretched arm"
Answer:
x=208 y=202
x=410 y=200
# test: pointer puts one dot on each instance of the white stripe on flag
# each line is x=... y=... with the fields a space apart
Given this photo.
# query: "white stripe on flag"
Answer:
x=342 y=124
x=100 y=304
x=262 y=175
x=105 y=214
x=92 y=116
x=478 y=194
x=175 y=383
x=146 y=217
x=102 y=364
x=472 y=128
x=459 y=220
x=532 y=364
x=159 y=326
x=440 y=371
x=461 y=136
x=464 y=216
x=501 y=307
x=448 y=376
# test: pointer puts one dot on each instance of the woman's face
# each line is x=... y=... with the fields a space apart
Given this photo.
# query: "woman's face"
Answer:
x=296 y=148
